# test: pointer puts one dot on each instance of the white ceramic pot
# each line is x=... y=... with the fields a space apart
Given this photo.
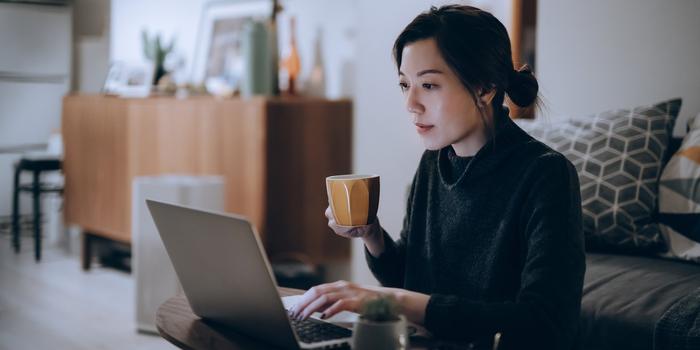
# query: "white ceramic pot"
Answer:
x=369 y=335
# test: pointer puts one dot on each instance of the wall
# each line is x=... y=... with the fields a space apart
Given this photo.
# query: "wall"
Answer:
x=181 y=18
x=170 y=18
x=597 y=55
x=335 y=23
x=35 y=40
x=33 y=111
x=91 y=23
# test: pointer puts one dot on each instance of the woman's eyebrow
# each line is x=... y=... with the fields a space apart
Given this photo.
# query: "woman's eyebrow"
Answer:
x=424 y=72
x=429 y=71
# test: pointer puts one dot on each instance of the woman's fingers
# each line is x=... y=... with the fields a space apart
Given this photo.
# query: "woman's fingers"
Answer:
x=307 y=298
x=316 y=304
x=320 y=304
x=312 y=295
x=331 y=298
x=357 y=231
x=328 y=293
x=350 y=231
x=346 y=231
x=331 y=220
x=348 y=304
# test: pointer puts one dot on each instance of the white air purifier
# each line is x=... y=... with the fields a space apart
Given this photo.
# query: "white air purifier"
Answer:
x=156 y=280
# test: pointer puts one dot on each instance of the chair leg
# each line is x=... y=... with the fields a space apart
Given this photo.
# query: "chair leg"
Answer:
x=15 y=211
x=36 y=194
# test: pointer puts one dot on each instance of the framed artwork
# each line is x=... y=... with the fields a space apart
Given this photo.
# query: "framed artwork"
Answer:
x=128 y=79
x=218 y=55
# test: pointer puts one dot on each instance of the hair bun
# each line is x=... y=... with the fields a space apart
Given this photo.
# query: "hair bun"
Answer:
x=524 y=69
x=522 y=86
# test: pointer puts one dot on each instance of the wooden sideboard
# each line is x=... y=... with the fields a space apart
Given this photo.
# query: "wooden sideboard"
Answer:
x=274 y=155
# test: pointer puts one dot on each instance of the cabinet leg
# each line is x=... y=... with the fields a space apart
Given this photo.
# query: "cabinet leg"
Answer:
x=86 y=252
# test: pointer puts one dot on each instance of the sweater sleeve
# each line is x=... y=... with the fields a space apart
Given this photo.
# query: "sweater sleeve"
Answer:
x=545 y=314
x=389 y=268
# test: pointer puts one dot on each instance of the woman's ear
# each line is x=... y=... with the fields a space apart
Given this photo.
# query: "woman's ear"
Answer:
x=486 y=96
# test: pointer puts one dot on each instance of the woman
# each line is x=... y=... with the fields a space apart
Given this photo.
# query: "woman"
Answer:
x=492 y=239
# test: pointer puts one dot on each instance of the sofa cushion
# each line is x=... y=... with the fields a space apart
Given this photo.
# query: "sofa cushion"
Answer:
x=618 y=155
x=624 y=296
x=679 y=198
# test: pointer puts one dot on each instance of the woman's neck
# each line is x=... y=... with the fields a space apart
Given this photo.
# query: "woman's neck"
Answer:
x=471 y=143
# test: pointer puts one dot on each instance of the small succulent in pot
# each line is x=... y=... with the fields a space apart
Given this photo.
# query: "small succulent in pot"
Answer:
x=156 y=51
x=380 y=309
x=380 y=326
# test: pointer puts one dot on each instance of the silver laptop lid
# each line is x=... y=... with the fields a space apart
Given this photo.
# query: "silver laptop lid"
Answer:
x=223 y=271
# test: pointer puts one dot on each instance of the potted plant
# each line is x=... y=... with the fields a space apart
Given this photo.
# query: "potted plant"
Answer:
x=380 y=326
x=156 y=52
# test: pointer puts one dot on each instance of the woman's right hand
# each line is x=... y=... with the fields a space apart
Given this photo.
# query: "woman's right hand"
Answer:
x=363 y=231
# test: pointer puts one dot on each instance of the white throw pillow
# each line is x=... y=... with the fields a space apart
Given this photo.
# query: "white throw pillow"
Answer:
x=679 y=198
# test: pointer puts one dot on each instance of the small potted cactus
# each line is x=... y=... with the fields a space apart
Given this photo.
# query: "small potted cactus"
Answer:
x=380 y=326
x=156 y=51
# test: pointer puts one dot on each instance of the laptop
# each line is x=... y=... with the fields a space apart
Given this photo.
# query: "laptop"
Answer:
x=227 y=279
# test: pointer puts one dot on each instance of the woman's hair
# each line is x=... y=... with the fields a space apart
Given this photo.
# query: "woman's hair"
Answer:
x=476 y=47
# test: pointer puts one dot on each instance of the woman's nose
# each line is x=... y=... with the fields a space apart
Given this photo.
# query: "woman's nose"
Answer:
x=412 y=104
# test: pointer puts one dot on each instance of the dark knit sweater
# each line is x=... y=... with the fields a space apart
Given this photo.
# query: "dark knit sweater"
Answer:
x=457 y=165
x=498 y=246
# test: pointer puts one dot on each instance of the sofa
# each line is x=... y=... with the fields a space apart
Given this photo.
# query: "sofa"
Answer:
x=625 y=297
x=640 y=290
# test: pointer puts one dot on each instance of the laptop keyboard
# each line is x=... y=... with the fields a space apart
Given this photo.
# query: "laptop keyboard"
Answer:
x=312 y=331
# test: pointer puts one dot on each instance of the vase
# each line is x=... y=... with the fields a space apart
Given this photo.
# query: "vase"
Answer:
x=389 y=335
x=257 y=77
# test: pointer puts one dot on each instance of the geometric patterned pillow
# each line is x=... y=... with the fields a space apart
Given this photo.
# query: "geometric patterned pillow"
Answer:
x=679 y=198
x=618 y=155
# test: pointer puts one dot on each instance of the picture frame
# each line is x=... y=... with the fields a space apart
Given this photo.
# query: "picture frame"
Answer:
x=218 y=54
x=129 y=79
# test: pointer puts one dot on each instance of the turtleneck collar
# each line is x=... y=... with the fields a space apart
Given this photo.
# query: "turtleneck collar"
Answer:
x=506 y=137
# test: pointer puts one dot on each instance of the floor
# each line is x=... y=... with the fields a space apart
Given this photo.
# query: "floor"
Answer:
x=54 y=304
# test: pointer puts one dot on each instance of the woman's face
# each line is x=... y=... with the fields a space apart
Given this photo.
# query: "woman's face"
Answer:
x=441 y=107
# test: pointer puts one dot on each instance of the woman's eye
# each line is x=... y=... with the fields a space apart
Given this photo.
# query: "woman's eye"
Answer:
x=403 y=86
x=429 y=86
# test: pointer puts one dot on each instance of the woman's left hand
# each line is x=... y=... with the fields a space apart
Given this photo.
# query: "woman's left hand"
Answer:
x=331 y=298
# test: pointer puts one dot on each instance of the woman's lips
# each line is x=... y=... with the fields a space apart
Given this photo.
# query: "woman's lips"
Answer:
x=423 y=128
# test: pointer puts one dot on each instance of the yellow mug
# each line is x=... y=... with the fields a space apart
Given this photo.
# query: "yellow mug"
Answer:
x=354 y=199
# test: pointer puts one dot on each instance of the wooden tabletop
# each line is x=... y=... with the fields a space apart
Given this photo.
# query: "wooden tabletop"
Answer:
x=179 y=325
